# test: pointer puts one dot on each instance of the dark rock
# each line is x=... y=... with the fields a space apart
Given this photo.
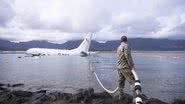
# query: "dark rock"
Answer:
x=3 y=89
x=21 y=100
x=127 y=99
x=102 y=95
x=84 y=96
x=178 y=101
x=1 y=84
x=60 y=96
x=22 y=93
x=53 y=97
x=86 y=92
x=154 y=101
x=76 y=98
x=49 y=98
x=36 y=102
x=41 y=91
x=104 y=101
x=17 y=85
x=87 y=100
x=90 y=91
x=6 y=97
x=98 y=101
x=8 y=85
x=144 y=97
x=102 y=98
x=65 y=96
x=44 y=98
x=38 y=96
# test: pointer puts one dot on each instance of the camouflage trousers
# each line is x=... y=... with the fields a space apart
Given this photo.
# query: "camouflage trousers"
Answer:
x=125 y=74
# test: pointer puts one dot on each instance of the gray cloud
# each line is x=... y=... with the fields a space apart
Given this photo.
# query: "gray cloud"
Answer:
x=6 y=12
x=62 y=20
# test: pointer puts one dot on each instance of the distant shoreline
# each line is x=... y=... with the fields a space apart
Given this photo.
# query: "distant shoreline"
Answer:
x=155 y=54
x=109 y=51
x=22 y=52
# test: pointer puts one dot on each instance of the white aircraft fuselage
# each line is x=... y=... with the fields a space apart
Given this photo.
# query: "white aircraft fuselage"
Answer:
x=82 y=50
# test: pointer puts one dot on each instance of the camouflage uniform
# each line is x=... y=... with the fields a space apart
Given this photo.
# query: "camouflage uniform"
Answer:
x=125 y=64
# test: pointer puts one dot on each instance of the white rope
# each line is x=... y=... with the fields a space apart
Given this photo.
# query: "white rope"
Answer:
x=113 y=91
x=109 y=91
x=138 y=100
x=116 y=89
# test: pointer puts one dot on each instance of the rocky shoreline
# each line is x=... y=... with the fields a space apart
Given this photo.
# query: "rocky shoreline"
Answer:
x=8 y=95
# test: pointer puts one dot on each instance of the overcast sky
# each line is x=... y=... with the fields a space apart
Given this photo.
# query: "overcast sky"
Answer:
x=62 y=20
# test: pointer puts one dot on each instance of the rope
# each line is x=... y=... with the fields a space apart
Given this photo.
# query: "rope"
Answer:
x=109 y=91
x=138 y=99
x=116 y=89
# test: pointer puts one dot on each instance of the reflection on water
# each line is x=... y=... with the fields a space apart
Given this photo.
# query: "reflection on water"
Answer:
x=56 y=72
x=161 y=77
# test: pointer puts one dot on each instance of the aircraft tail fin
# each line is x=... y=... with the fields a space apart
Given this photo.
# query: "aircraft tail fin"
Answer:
x=85 y=45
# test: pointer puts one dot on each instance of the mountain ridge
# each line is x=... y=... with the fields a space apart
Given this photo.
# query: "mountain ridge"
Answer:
x=137 y=44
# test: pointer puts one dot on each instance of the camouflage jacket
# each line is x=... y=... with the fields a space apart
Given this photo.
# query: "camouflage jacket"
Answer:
x=124 y=57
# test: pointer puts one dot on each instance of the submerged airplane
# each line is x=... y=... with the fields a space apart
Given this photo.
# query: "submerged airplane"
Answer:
x=82 y=50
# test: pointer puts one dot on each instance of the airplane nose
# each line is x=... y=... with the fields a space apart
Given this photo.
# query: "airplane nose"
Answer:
x=27 y=52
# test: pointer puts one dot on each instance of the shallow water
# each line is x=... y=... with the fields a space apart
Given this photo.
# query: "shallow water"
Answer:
x=161 y=77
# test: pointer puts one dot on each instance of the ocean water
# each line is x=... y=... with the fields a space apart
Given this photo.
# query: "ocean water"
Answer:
x=161 y=77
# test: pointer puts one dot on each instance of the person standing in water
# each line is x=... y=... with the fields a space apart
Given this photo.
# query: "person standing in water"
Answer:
x=125 y=66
